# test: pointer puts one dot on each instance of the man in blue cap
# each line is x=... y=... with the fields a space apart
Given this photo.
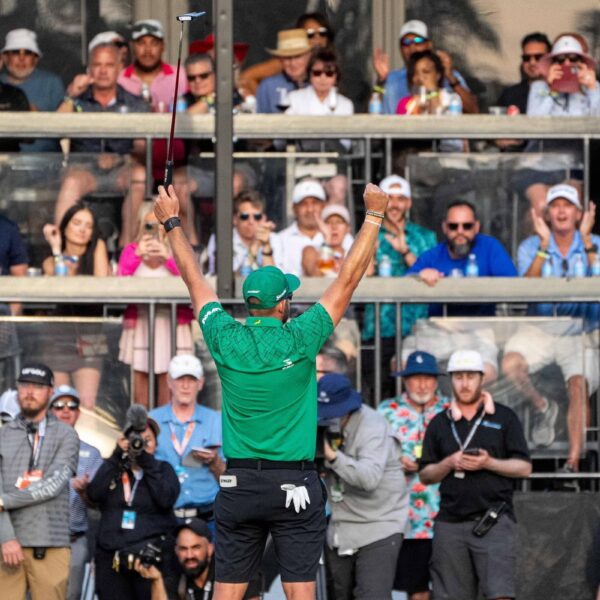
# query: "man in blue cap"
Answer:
x=409 y=415
x=268 y=375
x=367 y=492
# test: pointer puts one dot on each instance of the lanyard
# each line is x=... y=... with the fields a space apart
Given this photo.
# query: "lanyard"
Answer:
x=180 y=447
x=36 y=444
x=471 y=432
x=128 y=493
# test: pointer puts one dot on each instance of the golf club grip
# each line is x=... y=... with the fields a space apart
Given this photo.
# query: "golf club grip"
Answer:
x=168 y=180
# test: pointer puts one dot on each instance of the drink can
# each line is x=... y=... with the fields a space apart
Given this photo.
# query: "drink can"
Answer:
x=513 y=110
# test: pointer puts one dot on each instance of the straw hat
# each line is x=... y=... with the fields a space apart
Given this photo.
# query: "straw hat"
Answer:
x=291 y=42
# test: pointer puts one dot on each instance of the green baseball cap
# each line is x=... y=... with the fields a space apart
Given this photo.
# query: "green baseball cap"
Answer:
x=270 y=286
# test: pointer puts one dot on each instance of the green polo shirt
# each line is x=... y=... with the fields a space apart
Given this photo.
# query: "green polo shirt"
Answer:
x=268 y=376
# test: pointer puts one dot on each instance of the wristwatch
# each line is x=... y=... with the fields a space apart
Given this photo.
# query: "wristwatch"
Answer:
x=593 y=249
x=171 y=224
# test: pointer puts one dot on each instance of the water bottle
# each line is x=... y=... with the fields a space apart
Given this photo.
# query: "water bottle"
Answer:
x=579 y=266
x=455 y=106
x=146 y=94
x=246 y=267
x=547 y=270
x=60 y=266
x=181 y=105
x=472 y=269
x=596 y=266
x=375 y=104
x=384 y=268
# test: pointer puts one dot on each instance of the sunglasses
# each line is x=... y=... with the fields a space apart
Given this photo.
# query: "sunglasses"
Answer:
x=411 y=41
x=322 y=31
x=71 y=405
x=21 y=52
x=246 y=216
x=561 y=58
x=202 y=76
x=529 y=57
x=146 y=27
x=464 y=226
x=326 y=72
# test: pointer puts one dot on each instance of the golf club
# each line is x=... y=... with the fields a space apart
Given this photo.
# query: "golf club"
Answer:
x=169 y=162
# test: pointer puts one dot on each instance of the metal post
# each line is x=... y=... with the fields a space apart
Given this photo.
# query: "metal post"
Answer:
x=398 y=346
x=223 y=11
x=151 y=346
x=377 y=354
x=586 y=172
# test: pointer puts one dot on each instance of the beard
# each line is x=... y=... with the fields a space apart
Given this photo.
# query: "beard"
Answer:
x=471 y=398
x=461 y=250
x=147 y=68
x=197 y=570
x=420 y=399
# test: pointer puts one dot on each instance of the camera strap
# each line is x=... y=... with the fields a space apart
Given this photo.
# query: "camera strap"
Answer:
x=474 y=427
x=187 y=436
x=128 y=491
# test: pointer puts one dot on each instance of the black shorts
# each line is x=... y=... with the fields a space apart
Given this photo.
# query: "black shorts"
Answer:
x=412 y=569
x=246 y=513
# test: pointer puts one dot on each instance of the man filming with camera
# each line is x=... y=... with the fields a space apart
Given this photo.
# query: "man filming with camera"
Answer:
x=475 y=449
x=367 y=492
x=135 y=494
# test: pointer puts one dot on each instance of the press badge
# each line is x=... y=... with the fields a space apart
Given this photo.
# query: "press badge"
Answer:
x=181 y=473
x=28 y=478
x=336 y=493
x=418 y=451
x=128 y=520
x=459 y=474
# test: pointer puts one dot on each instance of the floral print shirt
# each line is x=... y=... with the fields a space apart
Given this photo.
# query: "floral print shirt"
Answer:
x=409 y=424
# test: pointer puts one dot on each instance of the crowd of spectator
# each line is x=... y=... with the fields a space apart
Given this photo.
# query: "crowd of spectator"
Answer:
x=392 y=471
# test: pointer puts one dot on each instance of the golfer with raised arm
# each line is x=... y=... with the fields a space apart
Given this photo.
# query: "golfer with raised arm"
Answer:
x=268 y=375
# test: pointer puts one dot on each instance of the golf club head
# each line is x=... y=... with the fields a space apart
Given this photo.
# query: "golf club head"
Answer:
x=189 y=16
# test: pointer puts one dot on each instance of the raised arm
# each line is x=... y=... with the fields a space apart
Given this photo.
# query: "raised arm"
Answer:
x=166 y=207
x=337 y=296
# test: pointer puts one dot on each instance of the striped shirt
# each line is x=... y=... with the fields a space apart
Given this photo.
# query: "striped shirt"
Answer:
x=89 y=462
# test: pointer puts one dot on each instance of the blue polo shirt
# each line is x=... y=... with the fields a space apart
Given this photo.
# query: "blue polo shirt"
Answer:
x=562 y=266
x=12 y=248
x=492 y=259
x=267 y=94
x=198 y=484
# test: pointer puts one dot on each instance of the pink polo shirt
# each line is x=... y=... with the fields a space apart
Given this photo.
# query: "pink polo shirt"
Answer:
x=162 y=87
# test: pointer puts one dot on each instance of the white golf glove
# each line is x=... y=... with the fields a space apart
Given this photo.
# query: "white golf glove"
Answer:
x=299 y=494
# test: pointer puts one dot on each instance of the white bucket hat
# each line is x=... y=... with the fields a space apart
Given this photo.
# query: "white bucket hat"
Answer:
x=21 y=39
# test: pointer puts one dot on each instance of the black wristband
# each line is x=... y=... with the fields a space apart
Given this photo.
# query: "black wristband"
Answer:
x=592 y=249
x=454 y=84
x=171 y=224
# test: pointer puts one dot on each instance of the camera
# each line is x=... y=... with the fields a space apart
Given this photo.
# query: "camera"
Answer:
x=332 y=432
x=150 y=555
x=136 y=423
x=489 y=519
x=136 y=443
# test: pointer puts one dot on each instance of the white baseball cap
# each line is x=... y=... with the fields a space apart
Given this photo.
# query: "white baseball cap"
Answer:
x=105 y=37
x=185 y=364
x=465 y=360
x=21 y=39
x=308 y=188
x=147 y=27
x=563 y=190
x=335 y=209
x=394 y=185
x=414 y=26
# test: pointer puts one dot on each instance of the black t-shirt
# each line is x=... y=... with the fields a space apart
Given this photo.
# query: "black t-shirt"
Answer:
x=515 y=94
x=501 y=434
x=180 y=587
x=11 y=98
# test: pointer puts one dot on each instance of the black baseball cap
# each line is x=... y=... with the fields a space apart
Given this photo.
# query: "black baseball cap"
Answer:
x=36 y=373
x=198 y=526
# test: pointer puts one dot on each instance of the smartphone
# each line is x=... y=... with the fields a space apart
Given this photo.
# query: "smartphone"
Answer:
x=471 y=451
x=206 y=449
x=151 y=229
x=568 y=83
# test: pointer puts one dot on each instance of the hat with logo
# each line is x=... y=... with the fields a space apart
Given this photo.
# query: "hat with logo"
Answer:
x=185 y=364
x=414 y=26
x=394 y=185
x=291 y=42
x=144 y=27
x=465 y=361
x=419 y=363
x=335 y=209
x=336 y=397
x=198 y=526
x=240 y=49
x=63 y=391
x=269 y=285
x=105 y=37
x=21 y=39
x=309 y=188
x=36 y=373
x=565 y=44
x=9 y=405
x=565 y=191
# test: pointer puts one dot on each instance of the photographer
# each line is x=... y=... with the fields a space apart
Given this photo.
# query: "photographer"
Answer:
x=196 y=575
x=135 y=494
x=475 y=449
x=367 y=493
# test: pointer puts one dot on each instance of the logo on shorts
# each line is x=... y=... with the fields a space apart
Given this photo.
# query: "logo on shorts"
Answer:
x=228 y=481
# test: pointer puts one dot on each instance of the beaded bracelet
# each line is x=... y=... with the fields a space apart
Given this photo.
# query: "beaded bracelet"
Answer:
x=374 y=213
